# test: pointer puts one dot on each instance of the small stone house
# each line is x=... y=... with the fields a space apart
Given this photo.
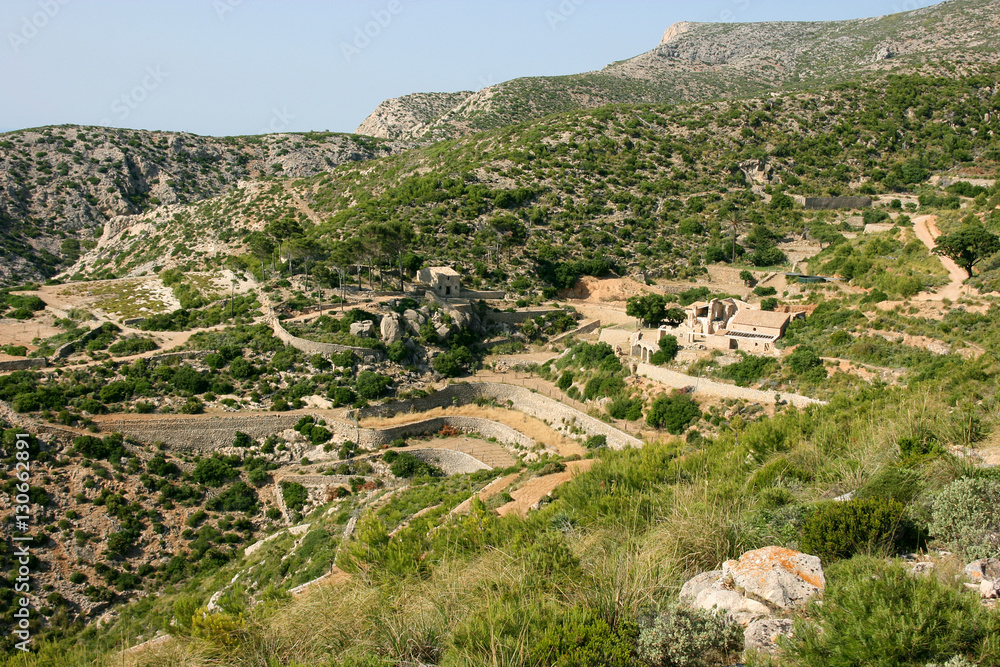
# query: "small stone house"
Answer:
x=443 y=280
x=763 y=322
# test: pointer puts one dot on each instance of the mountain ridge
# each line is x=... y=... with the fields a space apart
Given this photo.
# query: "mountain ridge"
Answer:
x=703 y=61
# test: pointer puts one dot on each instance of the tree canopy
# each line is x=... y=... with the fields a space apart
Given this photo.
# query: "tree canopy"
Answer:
x=968 y=246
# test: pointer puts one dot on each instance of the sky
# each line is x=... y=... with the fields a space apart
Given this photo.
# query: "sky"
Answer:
x=236 y=67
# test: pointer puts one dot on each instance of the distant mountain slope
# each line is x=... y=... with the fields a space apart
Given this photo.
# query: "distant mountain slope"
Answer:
x=703 y=61
x=59 y=185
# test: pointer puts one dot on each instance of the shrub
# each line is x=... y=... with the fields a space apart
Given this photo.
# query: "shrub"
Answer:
x=370 y=385
x=404 y=464
x=213 y=471
x=565 y=381
x=673 y=412
x=760 y=290
x=596 y=442
x=295 y=495
x=865 y=525
x=667 y=352
x=678 y=636
x=877 y=613
x=770 y=303
x=750 y=369
x=966 y=517
x=626 y=408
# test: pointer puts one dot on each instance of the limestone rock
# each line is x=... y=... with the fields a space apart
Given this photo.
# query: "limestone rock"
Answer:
x=443 y=331
x=362 y=329
x=782 y=577
x=710 y=591
x=390 y=330
x=762 y=634
x=414 y=320
x=985 y=568
x=989 y=590
x=695 y=585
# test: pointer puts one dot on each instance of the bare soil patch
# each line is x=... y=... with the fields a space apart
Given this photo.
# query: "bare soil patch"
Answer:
x=528 y=495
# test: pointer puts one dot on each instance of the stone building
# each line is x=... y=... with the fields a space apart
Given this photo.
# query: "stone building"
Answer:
x=720 y=324
x=443 y=280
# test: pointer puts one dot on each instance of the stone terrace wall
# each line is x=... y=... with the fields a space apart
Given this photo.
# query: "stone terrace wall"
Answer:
x=833 y=203
x=712 y=388
x=485 y=427
x=197 y=433
x=518 y=317
x=21 y=364
x=558 y=415
x=312 y=347
x=589 y=327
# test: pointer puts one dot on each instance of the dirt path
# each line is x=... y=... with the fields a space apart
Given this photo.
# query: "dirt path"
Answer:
x=301 y=205
x=925 y=227
x=528 y=495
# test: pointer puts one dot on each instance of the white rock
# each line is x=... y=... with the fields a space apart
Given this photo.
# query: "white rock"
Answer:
x=363 y=329
x=390 y=330
x=989 y=590
x=785 y=578
x=985 y=568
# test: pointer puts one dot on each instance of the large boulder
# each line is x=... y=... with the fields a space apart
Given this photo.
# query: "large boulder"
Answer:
x=710 y=591
x=762 y=635
x=781 y=577
x=414 y=320
x=363 y=329
x=984 y=569
x=390 y=330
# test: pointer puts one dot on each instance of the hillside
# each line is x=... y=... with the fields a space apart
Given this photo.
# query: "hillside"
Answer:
x=59 y=185
x=648 y=190
x=705 y=61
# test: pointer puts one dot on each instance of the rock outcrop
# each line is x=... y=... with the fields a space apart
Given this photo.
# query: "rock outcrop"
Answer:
x=762 y=635
x=758 y=585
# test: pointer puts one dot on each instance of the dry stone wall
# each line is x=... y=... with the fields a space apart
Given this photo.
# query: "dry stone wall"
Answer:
x=21 y=364
x=589 y=327
x=312 y=347
x=711 y=388
x=198 y=433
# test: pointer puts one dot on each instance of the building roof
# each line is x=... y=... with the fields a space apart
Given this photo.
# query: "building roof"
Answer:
x=760 y=318
x=443 y=270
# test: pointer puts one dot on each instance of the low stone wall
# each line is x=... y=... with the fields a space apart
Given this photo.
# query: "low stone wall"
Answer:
x=589 y=327
x=833 y=203
x=518 y=317
x=312 y=347
x=712 y=388
x=488 y=429
x=21 y=364
x=69 y=348
x=476 y=294
x=193 y=354
x=559 y=415
x=198 y=433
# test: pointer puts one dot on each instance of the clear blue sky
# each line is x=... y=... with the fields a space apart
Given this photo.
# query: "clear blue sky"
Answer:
x=226 y=67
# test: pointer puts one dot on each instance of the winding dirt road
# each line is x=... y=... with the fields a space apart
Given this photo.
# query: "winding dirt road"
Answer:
x=925 y=227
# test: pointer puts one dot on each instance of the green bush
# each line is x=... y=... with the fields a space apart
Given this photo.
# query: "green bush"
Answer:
x=626 y=408
x=679 y=636
x=295 y=495
x=371 y=385
x=864 y=525
x=667 y=352
x=404 y=464
x=877 y=613
x=596 y=442
x=673 y=412
x=965 y=516
x=749 y=370
x=565 y=381
x=214 y=471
